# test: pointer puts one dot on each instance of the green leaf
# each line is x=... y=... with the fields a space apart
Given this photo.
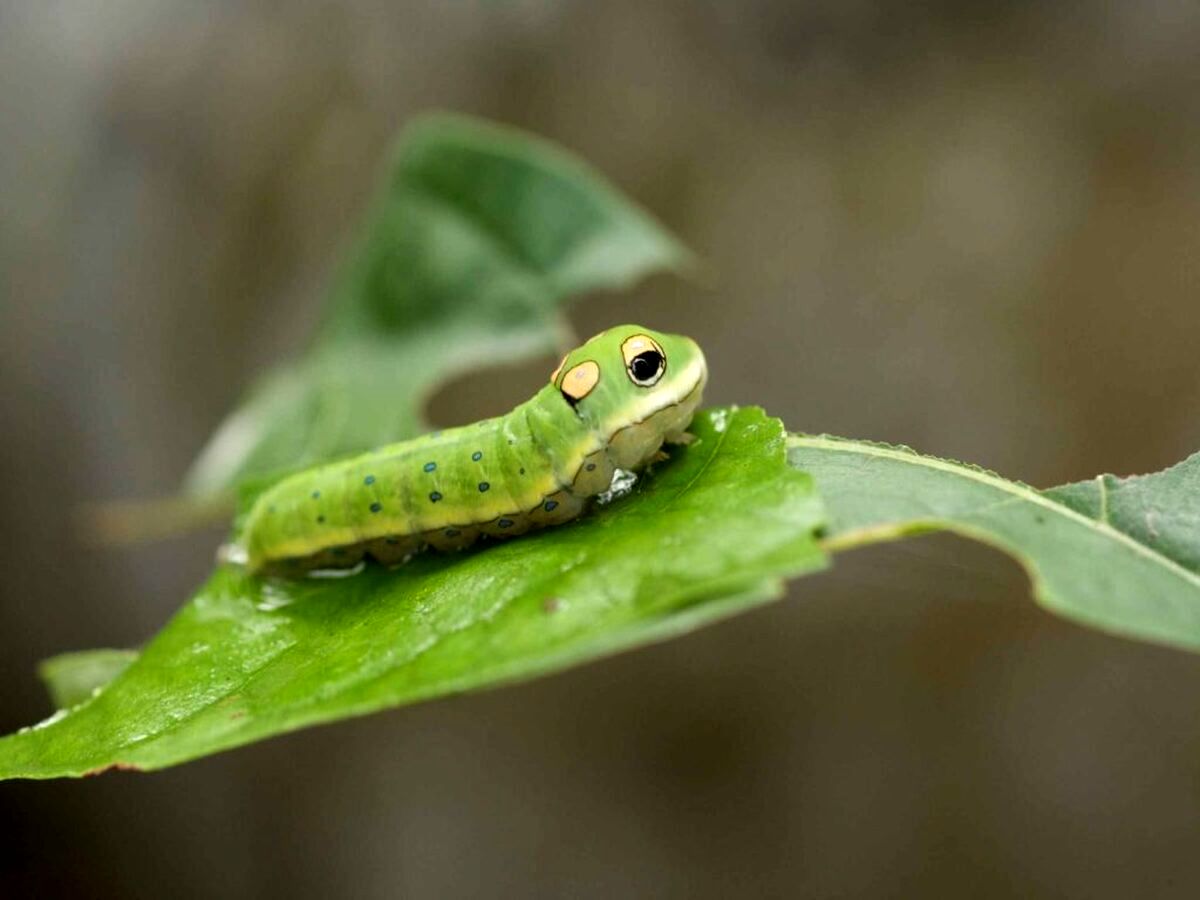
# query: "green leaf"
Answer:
x=1119 y=555
x=70 y=678
x=1160 y=511
x=479 y=237
x=707 y=534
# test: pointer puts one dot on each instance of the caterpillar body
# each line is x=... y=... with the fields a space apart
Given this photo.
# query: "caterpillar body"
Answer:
x=610 y=404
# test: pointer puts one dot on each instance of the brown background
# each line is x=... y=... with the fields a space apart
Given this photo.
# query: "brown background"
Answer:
x=973 y=228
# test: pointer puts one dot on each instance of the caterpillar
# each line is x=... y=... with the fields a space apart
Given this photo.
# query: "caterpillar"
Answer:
x=611 y=404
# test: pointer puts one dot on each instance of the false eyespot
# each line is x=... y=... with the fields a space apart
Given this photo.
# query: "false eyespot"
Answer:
x=644 y=359
x=580 y=380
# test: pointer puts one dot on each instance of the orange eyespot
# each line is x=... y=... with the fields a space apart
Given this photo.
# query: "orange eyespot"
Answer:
x=580 y=380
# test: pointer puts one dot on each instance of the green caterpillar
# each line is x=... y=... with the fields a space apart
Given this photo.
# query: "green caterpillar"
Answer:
x=611 y=404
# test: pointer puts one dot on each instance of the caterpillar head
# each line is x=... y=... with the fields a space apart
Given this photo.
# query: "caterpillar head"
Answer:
x=628 y=374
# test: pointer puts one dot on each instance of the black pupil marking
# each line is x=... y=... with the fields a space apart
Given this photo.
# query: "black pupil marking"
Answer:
x=430 y=466
x=550 y=504
x=434 y=497
x=646 y=365
x=483 y=486
x=476 y=456
x=376 y=507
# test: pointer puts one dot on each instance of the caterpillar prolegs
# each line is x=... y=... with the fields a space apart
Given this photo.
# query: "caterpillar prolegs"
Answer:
x=611 y=404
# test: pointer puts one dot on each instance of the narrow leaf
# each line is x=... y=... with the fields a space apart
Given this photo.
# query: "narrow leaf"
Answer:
x=1120 y=555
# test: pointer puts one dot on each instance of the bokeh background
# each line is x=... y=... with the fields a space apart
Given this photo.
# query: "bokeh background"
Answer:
x=973 y=228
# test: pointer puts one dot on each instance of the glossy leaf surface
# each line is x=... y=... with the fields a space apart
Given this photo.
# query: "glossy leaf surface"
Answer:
x=707 y=534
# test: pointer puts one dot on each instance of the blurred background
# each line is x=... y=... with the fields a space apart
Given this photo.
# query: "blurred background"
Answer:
x=973 y=228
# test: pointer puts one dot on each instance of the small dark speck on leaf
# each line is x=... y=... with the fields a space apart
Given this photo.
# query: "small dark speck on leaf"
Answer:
x=551 y=605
